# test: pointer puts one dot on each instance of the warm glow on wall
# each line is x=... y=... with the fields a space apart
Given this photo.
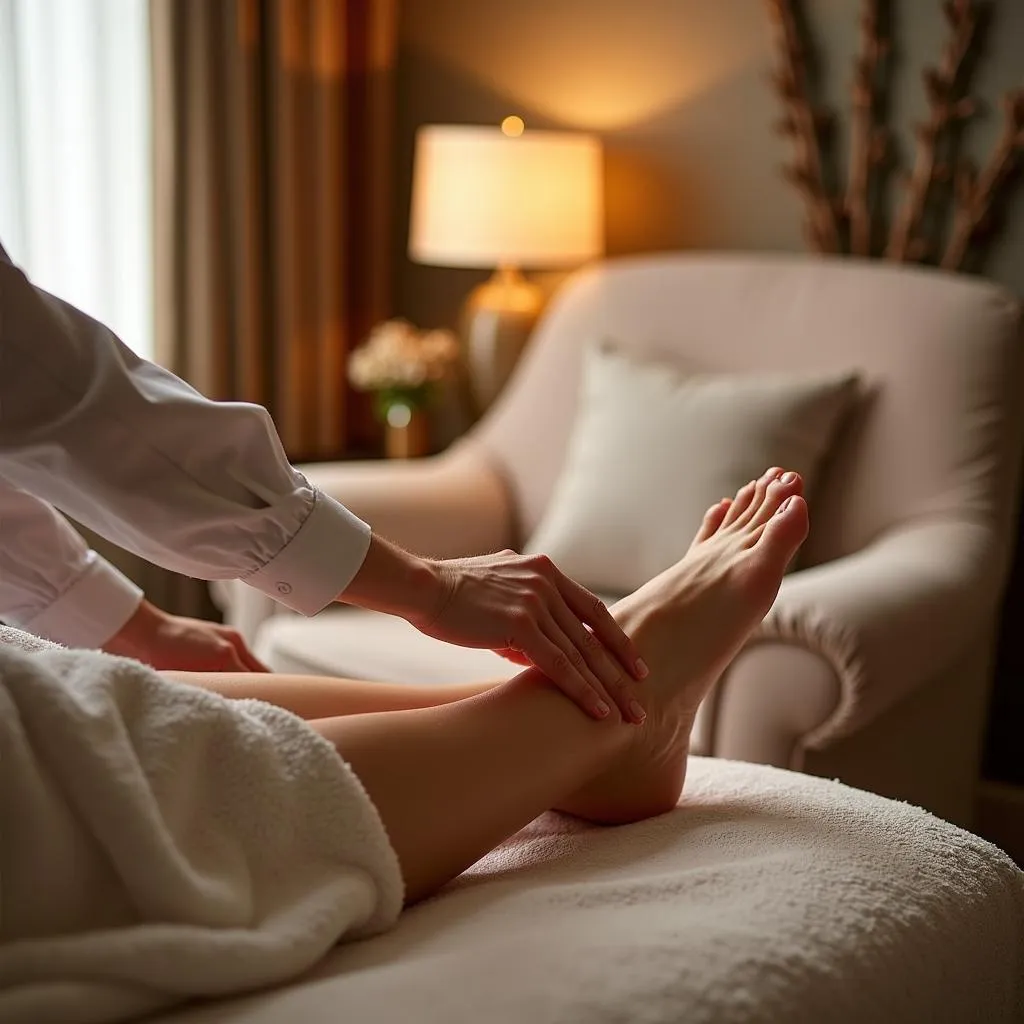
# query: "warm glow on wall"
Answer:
x=604 y=85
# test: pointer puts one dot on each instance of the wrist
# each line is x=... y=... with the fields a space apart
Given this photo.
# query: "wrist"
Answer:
x=397 y=582
x=132 y=639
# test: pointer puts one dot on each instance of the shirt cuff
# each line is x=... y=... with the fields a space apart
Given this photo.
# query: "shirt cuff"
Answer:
x=91 y=610
x=319 y=562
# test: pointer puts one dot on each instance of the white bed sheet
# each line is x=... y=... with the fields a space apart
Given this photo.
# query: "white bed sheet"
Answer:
x=768 y=896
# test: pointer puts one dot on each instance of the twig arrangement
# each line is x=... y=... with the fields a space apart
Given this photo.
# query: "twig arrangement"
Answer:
x=976 y=194
x=869 y=140
x=854 y=222
x=946 y=104
x=805 y=123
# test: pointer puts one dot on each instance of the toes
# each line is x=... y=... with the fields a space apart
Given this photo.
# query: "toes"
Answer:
x=761 y=487
x=740 y=504
x=788 y=485
x=713 y=519
x=756 y=498
x=784 y=531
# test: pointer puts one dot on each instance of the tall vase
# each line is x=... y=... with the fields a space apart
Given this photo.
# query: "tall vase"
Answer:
x=406 y=432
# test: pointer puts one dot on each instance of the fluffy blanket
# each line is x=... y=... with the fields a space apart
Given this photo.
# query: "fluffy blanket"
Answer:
x=158 y=842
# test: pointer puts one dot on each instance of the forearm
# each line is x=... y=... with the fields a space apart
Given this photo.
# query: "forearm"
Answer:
x=395 y=581
x=313 y=697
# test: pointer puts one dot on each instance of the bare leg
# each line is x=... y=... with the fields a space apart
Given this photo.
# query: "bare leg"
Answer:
x=312 y=697
x=451 y=782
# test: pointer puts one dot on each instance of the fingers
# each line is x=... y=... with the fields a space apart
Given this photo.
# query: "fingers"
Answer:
x=607 y=671
x=230 y=658
x=589 y=608
x=599 y=654
x=516 y=657
x=240 y=650
x=251 y=661
x=555 y=657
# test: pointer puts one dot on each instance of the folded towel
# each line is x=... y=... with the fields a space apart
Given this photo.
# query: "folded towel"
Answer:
x=158 y=842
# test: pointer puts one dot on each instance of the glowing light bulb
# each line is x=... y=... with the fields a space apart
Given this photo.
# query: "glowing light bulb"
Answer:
x=513 y=126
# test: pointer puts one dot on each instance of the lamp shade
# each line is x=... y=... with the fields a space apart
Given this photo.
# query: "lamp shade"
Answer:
x=482 y=199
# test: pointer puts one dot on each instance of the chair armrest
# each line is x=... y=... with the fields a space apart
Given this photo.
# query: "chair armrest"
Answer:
x=447 y=506
x=891 y=616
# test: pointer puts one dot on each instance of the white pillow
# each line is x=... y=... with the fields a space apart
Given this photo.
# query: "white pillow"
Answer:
x=653 y=446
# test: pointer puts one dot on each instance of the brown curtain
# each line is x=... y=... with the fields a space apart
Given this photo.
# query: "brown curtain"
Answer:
x=273 y=124
x=272 y=151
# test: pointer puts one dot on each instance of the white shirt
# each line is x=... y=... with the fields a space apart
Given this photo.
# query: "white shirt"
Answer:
x=134 y=453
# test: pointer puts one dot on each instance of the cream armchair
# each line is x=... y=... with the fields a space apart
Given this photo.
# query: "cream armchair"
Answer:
x=874 y=664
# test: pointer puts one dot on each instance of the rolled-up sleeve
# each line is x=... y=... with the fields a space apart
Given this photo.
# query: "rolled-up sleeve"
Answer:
x=134 y=453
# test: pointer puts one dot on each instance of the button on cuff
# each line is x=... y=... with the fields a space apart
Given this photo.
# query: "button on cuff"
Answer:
x=318 y=563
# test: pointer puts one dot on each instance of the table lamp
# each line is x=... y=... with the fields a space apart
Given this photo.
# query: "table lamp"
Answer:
x=509 y=199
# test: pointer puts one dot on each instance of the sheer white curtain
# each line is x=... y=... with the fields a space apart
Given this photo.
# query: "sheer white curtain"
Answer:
x=75 y=155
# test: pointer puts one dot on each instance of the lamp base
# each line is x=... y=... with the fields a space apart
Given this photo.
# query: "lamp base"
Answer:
x=498 y=318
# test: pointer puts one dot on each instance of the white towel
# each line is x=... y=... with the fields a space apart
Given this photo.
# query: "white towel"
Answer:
x=767 y=897
x=158 y=842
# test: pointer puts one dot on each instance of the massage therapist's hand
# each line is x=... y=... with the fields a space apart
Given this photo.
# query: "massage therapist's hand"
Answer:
x=190 y=645
x=518 y=605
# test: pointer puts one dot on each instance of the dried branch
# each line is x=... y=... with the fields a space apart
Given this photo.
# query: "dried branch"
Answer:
x=941 y=85
x=976 y=194
x=806 y=125
x=868 y=139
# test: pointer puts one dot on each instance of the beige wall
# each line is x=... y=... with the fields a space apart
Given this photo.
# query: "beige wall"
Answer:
x=677 y=90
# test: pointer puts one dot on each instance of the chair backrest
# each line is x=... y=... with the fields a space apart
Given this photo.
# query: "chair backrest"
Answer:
x=940 y=433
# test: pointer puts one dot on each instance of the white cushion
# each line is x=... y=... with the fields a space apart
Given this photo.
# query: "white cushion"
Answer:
x=654 y=445
x=357 y=644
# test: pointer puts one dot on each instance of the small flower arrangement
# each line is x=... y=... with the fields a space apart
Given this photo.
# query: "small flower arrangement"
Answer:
x=401 y=365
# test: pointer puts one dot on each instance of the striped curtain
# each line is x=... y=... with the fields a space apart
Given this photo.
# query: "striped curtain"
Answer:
x=273 y=186
x=272 y=124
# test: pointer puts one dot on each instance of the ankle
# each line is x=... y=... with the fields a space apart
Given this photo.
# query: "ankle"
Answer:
x=607 y=738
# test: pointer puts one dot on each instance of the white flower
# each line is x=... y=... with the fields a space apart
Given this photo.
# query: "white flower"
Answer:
x=396 y=354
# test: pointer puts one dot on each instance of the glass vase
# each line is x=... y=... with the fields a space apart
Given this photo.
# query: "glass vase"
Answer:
x=406 y=431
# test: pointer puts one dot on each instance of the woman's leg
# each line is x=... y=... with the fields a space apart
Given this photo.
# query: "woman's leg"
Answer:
x=451 y=782
x=312 y=697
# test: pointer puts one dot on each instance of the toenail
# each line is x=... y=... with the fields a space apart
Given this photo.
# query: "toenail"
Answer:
x=789 y=478
x=785 y=505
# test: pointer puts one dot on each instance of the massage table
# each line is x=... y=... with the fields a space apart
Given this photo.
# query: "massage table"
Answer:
x=766 y=896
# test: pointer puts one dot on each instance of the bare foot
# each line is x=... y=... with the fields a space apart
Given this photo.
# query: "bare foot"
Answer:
x=688 y=623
